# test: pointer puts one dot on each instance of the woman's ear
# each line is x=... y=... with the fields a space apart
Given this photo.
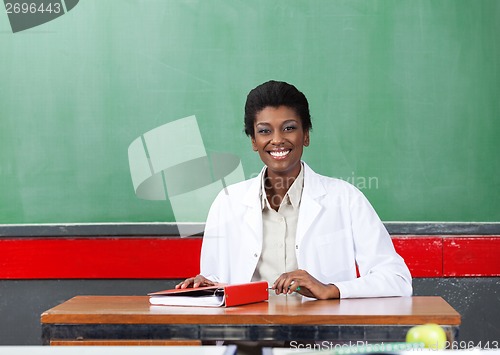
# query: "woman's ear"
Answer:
x=254 y=145
x=306 y=139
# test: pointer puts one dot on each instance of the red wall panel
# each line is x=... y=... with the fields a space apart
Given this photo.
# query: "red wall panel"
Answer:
x=423 y=255
x=89 y=258
x=471 y=256
x=178 y=258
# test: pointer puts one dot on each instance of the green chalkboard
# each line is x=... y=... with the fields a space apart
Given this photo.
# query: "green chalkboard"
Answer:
x=405 y=99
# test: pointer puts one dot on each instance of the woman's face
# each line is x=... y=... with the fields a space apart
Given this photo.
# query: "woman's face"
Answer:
x=279 y=140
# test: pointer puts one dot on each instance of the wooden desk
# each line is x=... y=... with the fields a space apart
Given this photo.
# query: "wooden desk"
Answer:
x=283 y=318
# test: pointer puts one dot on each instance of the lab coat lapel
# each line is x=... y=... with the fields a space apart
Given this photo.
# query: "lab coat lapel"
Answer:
x=253 y=214
x=309 y=206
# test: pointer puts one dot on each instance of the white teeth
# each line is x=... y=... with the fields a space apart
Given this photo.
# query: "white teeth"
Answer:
x=280 y=153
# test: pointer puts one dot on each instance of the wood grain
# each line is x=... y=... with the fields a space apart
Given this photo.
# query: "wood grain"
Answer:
x=279 y=310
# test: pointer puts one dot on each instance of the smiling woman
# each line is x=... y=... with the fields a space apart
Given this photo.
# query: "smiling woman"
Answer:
x=279 y=140
x=299 y=231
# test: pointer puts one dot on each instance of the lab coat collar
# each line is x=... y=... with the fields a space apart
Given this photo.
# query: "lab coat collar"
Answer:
x=252 y=197
x=313 y=186
x=253 y=214
x=309 y=208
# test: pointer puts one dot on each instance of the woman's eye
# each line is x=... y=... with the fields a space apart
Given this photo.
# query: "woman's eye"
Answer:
x=263 y=131
x=290 y=128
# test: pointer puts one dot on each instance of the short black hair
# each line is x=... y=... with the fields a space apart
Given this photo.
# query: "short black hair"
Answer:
x=275 y=94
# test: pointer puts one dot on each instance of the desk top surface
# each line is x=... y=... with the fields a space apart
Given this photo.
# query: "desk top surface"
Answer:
x=291 y=309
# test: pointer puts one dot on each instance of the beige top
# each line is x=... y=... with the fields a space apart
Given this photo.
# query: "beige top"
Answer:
x=279 y=229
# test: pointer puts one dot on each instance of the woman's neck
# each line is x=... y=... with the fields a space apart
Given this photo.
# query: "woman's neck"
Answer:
x=276 y=187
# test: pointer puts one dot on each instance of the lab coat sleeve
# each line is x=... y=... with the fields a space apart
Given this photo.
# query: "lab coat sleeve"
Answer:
x=213 y=260
x=383 y=272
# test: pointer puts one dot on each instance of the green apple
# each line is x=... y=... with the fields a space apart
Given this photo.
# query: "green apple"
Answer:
x=431 y=335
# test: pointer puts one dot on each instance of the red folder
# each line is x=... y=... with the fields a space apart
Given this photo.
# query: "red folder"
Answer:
x=212 y=296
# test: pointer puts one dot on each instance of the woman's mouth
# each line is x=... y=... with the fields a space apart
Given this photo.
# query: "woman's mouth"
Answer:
x=279 y=154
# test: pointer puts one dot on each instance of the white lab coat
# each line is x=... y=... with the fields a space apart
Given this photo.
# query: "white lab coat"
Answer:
x=337 y=229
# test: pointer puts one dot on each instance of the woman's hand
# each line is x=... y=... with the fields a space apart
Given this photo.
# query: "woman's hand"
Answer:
x=197 y=281
x=301 y=282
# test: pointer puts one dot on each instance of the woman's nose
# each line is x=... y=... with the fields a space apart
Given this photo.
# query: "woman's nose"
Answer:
x=277 y=138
